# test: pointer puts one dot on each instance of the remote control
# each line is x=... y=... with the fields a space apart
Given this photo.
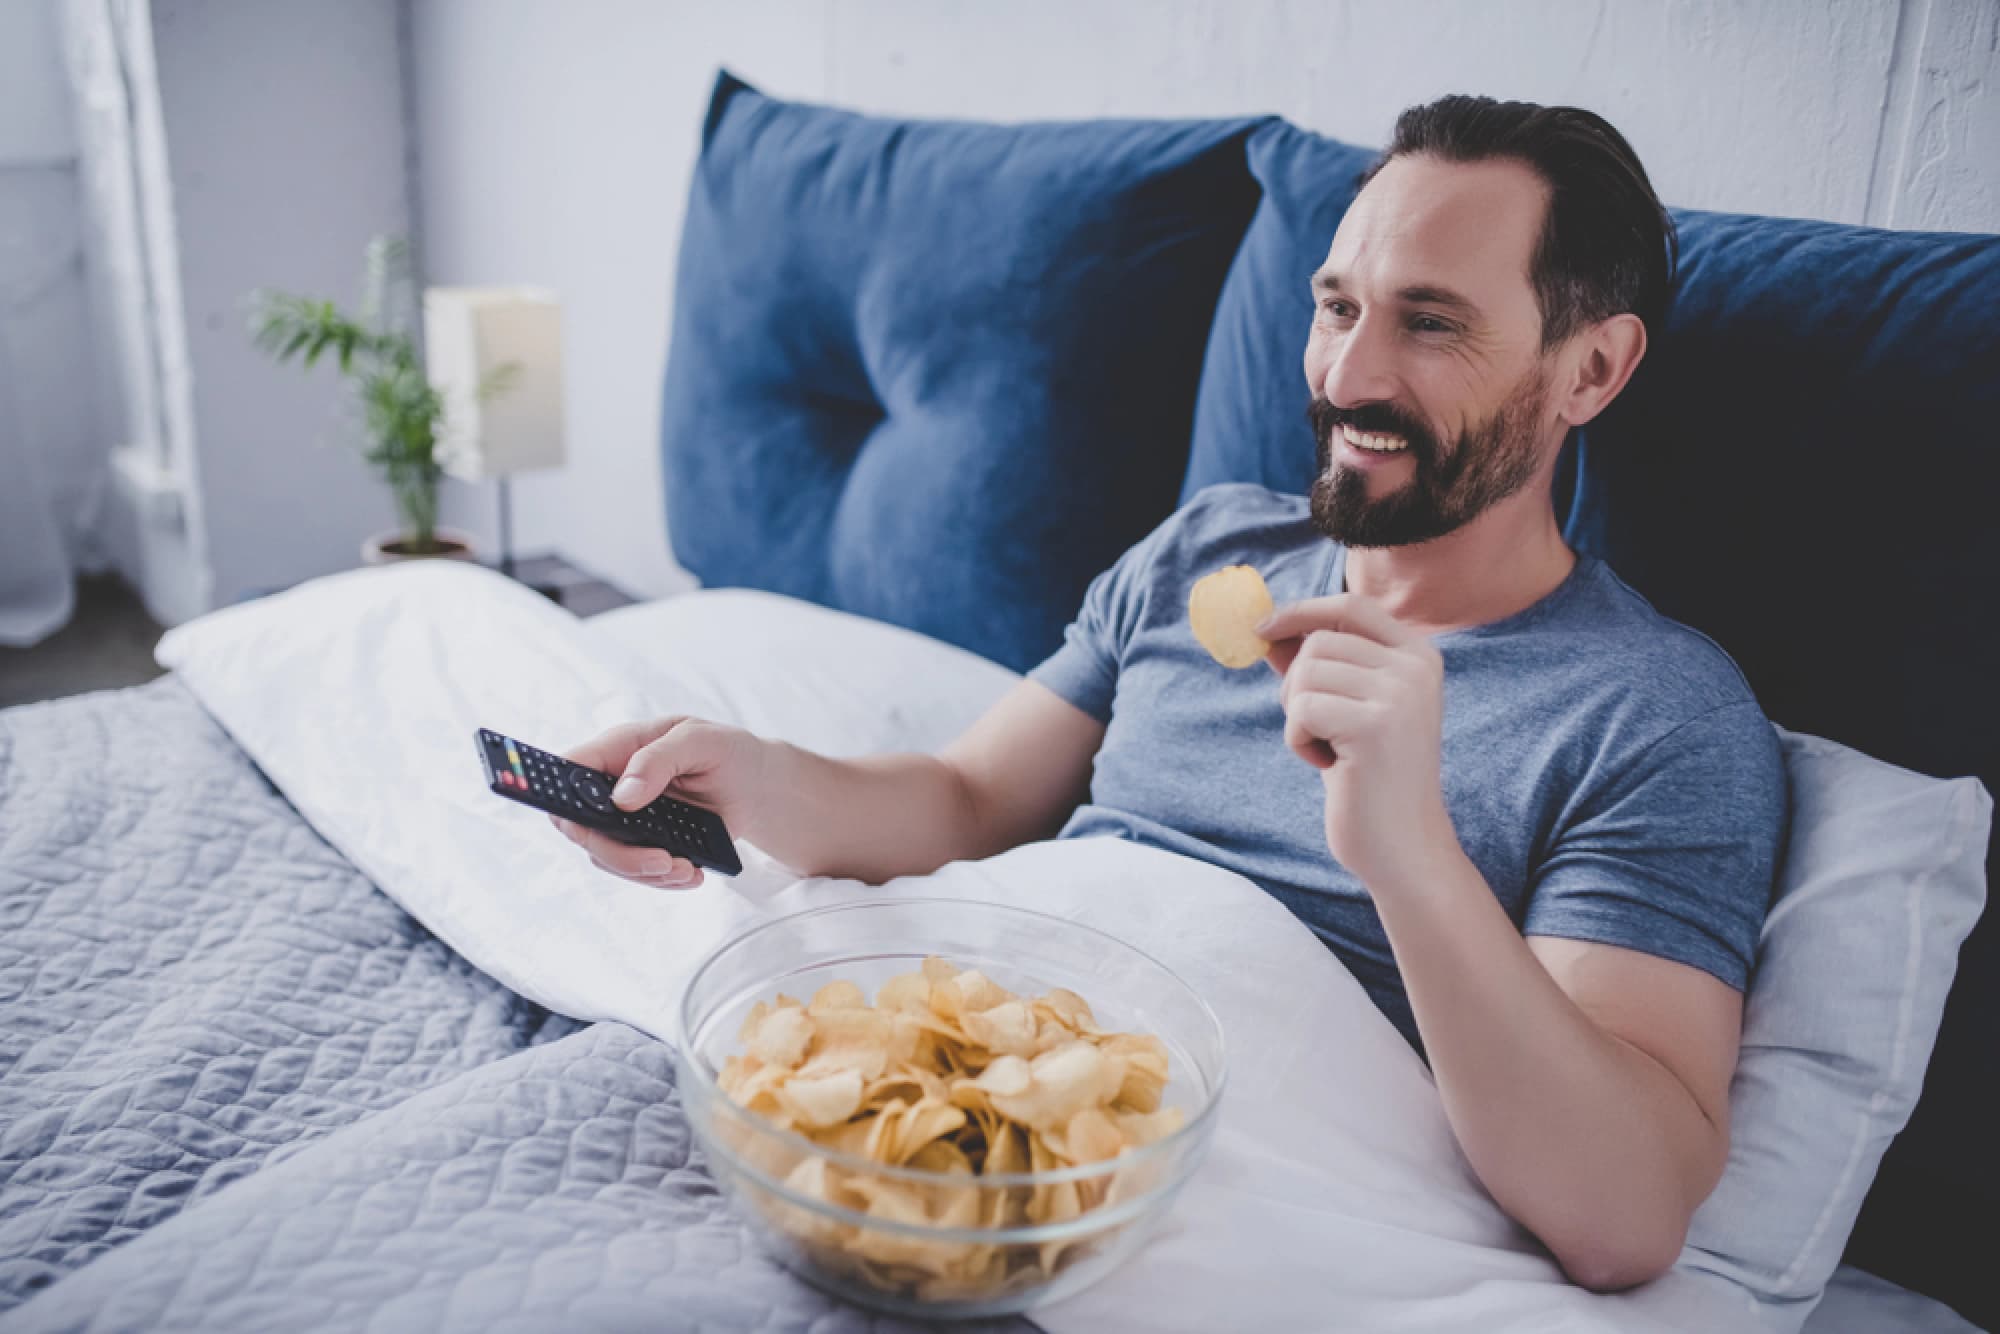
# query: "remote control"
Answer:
x=556 y=785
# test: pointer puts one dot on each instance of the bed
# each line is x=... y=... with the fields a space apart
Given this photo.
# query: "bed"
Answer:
x=298 y=1031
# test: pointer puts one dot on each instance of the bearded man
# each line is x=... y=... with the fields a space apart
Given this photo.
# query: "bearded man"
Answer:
x=1536 y=819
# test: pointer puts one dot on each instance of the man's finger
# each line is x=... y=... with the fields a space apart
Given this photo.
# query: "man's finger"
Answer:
x=1339 y=645
x=1330 y=676
x=623 y=858
x=653 y=767
x=1343 y=611
x=1315 y=724
x=1281 y=654
x=680 y=875
x=610 y=750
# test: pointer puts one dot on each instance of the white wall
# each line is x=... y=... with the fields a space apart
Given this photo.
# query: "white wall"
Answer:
x=286 y=142
x=1878 y=111
x=554 y=145
x=556 y=141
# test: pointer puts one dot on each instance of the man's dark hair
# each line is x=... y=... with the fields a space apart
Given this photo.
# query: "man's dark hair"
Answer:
x=1607 y=246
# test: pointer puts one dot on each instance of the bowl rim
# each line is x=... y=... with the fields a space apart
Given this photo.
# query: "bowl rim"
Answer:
x=712 y=1091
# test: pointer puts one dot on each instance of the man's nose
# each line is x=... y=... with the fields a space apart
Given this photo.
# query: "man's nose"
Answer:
x=1360 y=367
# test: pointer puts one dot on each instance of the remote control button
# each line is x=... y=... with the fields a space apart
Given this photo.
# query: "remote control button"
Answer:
x=591 y=790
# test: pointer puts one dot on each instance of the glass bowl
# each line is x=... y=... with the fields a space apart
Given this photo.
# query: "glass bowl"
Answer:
x=923 y=1243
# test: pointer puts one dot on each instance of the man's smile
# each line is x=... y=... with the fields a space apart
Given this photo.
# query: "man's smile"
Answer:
x=1374 y=442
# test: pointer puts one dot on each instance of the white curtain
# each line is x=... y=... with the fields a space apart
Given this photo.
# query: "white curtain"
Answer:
x=95 y=425
x=37 y=587
x=52 y=450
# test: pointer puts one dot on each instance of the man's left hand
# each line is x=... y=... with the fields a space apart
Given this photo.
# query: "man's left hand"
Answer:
x=1363 y=696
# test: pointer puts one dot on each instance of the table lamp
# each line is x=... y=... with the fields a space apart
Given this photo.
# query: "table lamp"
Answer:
x=495 y=354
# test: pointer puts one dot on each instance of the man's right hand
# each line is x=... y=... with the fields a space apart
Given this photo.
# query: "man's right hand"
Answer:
x=709 y=764
x=1014 y=775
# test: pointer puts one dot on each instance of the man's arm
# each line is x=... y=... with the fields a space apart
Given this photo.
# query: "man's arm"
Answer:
x=1013 y=776
x=1587 y=1084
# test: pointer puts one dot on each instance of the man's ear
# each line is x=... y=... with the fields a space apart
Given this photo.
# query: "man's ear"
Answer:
x=1602 y=358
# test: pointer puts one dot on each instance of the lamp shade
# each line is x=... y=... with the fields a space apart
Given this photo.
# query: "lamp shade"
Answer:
x=476 y=336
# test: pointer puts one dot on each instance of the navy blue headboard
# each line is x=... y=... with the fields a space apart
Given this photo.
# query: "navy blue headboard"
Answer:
x=942 y=374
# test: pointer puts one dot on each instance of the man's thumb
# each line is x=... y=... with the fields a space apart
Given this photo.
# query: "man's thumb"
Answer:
x=650 y=769
x=630 y=792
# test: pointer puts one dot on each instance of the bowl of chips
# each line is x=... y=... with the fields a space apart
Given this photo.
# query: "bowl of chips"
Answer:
x=944 y=1108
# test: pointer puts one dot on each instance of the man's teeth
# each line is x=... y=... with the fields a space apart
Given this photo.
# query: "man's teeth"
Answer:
x=1378 y=444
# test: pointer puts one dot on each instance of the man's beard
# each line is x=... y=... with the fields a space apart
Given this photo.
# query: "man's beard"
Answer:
x=1446 y=491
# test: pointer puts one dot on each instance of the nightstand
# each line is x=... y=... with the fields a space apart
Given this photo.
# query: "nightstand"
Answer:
x=569 y=586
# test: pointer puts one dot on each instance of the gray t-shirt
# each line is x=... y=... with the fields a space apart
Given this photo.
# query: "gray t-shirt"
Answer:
x=1607 y=770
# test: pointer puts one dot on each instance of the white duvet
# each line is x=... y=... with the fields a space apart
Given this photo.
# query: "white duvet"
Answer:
x=1334 y=1196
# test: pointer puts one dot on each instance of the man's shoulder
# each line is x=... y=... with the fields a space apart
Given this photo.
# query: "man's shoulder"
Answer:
x=1639 y=707
x=1637 y=677
x=1638 y=639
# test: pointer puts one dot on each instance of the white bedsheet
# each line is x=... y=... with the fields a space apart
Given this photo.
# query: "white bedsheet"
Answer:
x=1334 y=1197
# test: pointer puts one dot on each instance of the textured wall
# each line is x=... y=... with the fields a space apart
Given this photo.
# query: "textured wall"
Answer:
x=555 y=141
x=1878 y=111
x=285 y=134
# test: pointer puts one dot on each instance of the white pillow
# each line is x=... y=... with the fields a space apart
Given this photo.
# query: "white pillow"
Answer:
x=1883 y=878
x=828 y=680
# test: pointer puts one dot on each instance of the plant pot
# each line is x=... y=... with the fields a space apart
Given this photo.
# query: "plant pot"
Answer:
x=389 y=548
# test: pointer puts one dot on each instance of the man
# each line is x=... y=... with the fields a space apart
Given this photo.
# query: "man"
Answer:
x=1537 y=820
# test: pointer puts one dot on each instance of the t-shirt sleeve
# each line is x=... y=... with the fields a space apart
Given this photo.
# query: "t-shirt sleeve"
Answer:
x=1676 y=855
x=1084 y=670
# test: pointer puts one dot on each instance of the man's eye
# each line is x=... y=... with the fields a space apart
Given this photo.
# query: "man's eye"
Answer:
x=1429 y=324
x=1339 y=310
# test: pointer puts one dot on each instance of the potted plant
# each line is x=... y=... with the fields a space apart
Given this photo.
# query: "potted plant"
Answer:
x=401 y=410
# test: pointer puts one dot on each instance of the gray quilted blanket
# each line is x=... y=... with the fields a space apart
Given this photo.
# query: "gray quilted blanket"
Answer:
x=240 y=1089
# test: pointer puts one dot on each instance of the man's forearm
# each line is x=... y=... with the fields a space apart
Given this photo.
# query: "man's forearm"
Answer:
x=872 y=819
x=1585 y=1140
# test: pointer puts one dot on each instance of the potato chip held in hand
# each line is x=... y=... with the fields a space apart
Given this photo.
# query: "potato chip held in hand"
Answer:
x=1225 y=608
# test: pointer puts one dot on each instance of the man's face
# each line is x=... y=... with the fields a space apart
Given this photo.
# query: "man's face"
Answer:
x=1430 y=389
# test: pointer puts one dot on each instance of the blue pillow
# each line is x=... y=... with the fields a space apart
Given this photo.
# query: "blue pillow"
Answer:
x=939 y=373
x=1250 y=419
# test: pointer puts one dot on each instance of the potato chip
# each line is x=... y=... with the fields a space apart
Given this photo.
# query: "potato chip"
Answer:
x=1145 y=1058
x=1224 y=608
x=1141 y=1128
x=780 y=1037
x=906 y=992
x=816 y=1180
x=1061 y=1084
x=824 y=1101
x=923 y=1124
x=841 y=995
x=953 y=1075
x=1091 y=1136
x=1068 y=1009
x=1009 y=1076
x=941 y=1156
x=1008 y=1027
